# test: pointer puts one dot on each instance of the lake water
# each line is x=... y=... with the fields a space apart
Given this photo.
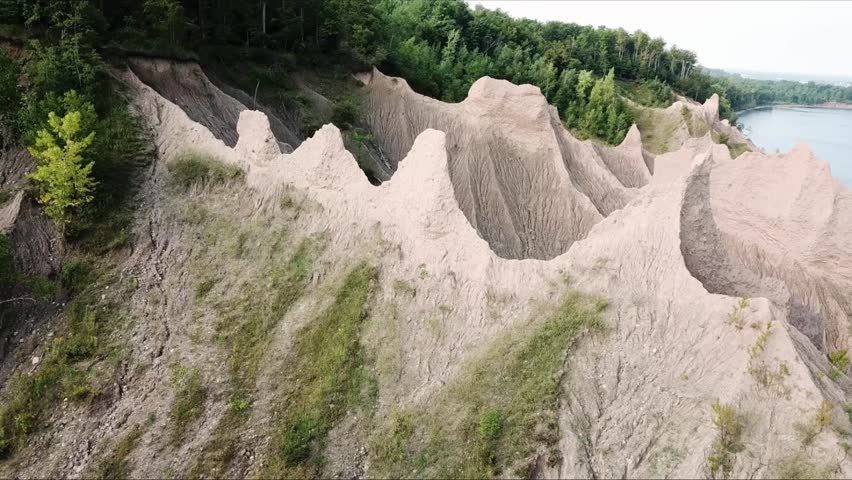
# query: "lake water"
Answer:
x=827 y=131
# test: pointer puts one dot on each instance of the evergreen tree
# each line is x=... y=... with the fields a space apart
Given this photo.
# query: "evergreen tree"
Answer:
x=63 y=178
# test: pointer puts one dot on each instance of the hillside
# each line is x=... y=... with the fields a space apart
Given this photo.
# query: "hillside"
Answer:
x=242 y=250
x=568 y=309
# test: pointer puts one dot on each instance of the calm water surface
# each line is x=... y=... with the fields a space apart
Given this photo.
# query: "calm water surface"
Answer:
x=827 y=131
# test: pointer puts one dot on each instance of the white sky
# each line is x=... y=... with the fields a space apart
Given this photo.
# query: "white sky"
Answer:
x=790 y=37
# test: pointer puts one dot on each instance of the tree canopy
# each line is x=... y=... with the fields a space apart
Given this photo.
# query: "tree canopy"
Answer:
x=440 y=46
x=63 y=177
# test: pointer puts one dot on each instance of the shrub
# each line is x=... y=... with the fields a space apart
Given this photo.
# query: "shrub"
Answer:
x=63 y=178
x=346 y=112
x=729 y=427
x=196 y=168
x=74 y=276
x=654 y=93
x=839 y=360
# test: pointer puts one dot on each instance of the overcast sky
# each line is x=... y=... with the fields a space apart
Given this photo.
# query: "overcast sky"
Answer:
x=790 y=37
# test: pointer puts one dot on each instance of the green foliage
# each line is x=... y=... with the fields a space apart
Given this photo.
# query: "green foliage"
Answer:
x=729 y=429
x=327 y=379
x=204 y=287
x=76 y=276
x=607 y=115
x=194 y=168
x=808 y=431
x=63 y=178
x=478 y=427
x=165 y=18
x=62 y=371
x=390 y=443
x=839 y=360
x=760 y=344
x=246 y=325
x=10 y=96
x=653 y=93
x=736 y=316
x=346 y=112
x=737 y=93
x=189 y=400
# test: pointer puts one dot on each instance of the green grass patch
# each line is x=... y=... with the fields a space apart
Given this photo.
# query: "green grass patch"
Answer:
x=737 y=149
x=189 y=401
x=63 y=370
x=245 y=328
x=203 y=288
x=246 y=325
x=195 y=168
x=116 y=465
x=327 y=379
x=480 y=428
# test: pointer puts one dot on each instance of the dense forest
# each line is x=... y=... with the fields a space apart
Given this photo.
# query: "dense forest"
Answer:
x=440 y=46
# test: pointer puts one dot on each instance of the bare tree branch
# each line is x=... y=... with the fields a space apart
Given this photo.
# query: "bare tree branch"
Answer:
x=18 y=299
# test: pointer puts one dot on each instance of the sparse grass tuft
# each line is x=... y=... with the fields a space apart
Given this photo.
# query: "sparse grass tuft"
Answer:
x=188 y=404
x=404 y=288
x=116 y=465
x=478 y=427
x=196 y=168
x=328 y=378
x=736 y=317
x=760 y=344
x=799 y=467
x=245 y=328
x=246 y=324
x=729 y=426
x=769 y=377
x=839 y=360
x=203 y=288
x=810 y=430
x=390 y=443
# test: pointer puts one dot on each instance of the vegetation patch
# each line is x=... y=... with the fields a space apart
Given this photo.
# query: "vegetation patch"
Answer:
x=195 y=168
x=737 y=316
x=116 y=465
x=246 y=325
x=63 y=371
x=729 y=427
x=245 y=328
x=478 y=427
x=189 y=400
x=839 y=360
x=808 y=431
x=328 y=378
x=800 y=467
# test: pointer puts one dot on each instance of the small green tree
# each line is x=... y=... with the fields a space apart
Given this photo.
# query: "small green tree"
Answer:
x=63 y=179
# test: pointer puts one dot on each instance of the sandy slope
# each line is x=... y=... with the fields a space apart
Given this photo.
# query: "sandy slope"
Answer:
x=493 y=203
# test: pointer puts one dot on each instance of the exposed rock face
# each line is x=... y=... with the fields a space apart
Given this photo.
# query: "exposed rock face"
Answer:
x=528 y=187
x=187 y=86
x=492 y=204
x=33 y=235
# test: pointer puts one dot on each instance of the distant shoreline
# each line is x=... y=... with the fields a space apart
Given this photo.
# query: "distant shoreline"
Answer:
x=834 y=105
